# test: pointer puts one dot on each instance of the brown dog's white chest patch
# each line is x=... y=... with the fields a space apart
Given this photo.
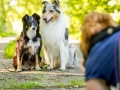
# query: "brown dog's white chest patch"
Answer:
x=33 y=46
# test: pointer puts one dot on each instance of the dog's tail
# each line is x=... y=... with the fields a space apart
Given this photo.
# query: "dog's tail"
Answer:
x=74 y=52
x=76 y=61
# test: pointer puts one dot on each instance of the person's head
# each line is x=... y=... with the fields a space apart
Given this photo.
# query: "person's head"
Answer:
x=92 y=25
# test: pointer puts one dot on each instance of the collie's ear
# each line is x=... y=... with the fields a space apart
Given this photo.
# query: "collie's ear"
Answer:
x=56 y=2
x=45 y=3
x=36 y=16
x=25 y=18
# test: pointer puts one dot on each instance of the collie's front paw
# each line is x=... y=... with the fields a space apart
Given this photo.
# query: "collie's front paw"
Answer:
x=49 y=68
x=19 y=70
x=62 y=69
x=37 y=68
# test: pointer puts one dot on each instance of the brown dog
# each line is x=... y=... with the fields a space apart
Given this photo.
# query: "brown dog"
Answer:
x=28 y=46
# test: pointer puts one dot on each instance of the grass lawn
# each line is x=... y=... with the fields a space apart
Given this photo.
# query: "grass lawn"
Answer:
x=37 y=81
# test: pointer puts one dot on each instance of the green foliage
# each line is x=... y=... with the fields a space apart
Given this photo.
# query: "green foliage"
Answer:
x=12 y=11
x=10 y=49
x=5 y=34
x=78 y=9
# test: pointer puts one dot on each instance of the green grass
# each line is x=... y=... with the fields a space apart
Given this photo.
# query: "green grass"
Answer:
x=33 y=81
x=10 y=49
x=73 y=83
x=77 y=83
x=61 y=84
x=4 y=83
x=5 y=34
x=25 y=85
x=14 y=83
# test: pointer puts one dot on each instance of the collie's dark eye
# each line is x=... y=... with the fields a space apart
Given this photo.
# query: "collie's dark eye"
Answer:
x=34 y=21
x=51 y=11
x=26 y=26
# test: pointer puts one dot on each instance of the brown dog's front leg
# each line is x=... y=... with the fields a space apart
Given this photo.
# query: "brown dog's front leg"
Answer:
x=37 y=63
x=19 y=63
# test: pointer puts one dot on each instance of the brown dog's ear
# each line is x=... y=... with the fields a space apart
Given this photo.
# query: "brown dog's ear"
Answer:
x=45 y=3
x=56 y=2
x=36 y=16
x=25 y=18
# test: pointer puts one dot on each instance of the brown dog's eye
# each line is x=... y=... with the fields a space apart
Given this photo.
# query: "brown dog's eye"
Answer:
x=26 y=26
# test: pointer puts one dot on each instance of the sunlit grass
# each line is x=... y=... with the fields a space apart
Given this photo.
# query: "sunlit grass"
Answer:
x=73 y=83
x=14 y=84
x=10 y=49
x=77 y=83
x=26 y=85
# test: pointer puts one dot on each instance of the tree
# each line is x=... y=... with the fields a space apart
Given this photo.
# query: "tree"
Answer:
x=74 y=11
x=77 y=10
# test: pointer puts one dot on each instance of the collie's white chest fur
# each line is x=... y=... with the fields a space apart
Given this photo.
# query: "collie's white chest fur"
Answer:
x=33 y=46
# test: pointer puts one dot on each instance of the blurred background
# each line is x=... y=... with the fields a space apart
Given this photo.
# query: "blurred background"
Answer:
x=12 y=11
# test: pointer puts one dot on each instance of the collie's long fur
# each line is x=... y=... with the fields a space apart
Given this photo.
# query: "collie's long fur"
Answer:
x=55 y=36
x=92 y=25
x=28 y=46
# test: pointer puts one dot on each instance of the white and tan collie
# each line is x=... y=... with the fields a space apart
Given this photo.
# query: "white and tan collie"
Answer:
x=55 y=36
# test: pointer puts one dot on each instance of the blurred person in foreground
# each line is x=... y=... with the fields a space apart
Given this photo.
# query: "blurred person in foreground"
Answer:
x=100 y=44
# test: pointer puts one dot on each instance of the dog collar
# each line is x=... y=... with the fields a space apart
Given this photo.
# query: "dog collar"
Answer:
x=103 y=34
